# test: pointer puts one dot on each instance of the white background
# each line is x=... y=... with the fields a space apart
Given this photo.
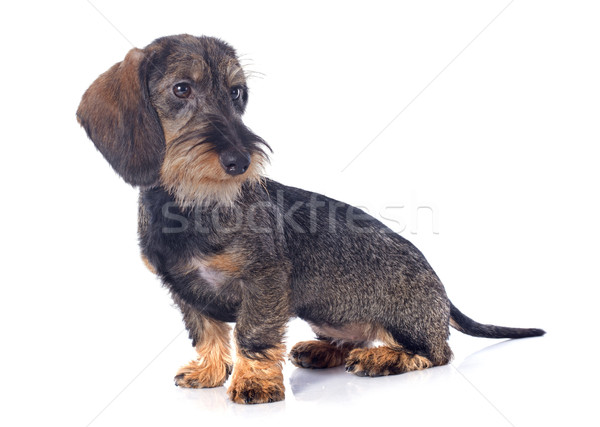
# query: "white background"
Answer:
x=495 y=131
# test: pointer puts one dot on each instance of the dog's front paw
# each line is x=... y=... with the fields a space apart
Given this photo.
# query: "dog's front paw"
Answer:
x=198 y=374
x=256 y=381
x=256 y=390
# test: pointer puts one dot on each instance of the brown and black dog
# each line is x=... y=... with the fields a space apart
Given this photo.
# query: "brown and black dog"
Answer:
x=234 y=246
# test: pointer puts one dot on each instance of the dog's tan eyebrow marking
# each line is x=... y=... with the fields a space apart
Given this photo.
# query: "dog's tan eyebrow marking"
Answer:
x=188 y=67
x=235 y=74
x=197 y=69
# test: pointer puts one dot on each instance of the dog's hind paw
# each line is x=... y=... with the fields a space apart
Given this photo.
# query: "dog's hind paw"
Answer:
x=317 y=355
x=381 y=361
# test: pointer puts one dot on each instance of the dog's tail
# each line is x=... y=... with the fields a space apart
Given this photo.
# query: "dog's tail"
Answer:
x=468 y=326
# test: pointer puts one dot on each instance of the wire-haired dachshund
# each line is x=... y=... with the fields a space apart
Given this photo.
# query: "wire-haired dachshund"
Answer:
x=234 y=246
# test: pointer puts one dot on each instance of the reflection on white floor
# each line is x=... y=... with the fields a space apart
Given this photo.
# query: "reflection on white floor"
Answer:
x=489 y=383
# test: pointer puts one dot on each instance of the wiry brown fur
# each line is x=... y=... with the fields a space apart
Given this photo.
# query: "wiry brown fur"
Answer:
x=196 y=176
x=357 y=333
x=118 y=116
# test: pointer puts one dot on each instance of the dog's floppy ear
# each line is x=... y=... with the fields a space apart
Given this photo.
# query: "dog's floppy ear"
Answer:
x=119 y=118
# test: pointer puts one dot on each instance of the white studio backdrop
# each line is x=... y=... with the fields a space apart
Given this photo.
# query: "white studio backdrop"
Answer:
x=469 y=127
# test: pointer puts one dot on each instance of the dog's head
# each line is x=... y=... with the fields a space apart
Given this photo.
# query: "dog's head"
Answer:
x=170 y=115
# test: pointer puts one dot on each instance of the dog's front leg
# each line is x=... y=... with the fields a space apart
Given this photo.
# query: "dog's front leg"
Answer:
x=259 y=334
x=211 y=339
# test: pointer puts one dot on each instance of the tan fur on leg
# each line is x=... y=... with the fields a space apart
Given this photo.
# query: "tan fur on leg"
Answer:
x=379 y=361
x=213 y=366
x=258 y=380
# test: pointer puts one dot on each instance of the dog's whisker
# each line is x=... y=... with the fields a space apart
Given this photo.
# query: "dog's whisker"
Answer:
x=254 y=74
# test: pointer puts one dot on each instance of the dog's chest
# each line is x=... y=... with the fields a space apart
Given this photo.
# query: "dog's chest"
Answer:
x=209 y=284
x=209 y=274
x=214 y=271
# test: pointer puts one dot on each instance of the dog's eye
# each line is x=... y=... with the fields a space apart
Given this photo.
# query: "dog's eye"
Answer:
x=236 y=92
x=182 y=90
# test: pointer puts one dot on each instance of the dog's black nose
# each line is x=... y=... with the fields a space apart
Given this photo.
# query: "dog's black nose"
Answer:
x=235 y=162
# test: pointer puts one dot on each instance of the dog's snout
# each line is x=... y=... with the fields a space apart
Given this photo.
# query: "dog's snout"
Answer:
x=235 y=162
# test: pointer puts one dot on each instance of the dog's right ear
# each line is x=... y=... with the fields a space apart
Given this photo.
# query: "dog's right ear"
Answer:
x=119 y=118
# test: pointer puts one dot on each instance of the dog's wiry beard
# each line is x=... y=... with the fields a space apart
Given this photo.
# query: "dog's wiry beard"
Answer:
x=193 y=175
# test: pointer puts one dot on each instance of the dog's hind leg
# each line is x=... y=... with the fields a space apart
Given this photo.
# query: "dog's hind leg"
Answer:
x=320 y=354
x=394 y=358
x=333 y=344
